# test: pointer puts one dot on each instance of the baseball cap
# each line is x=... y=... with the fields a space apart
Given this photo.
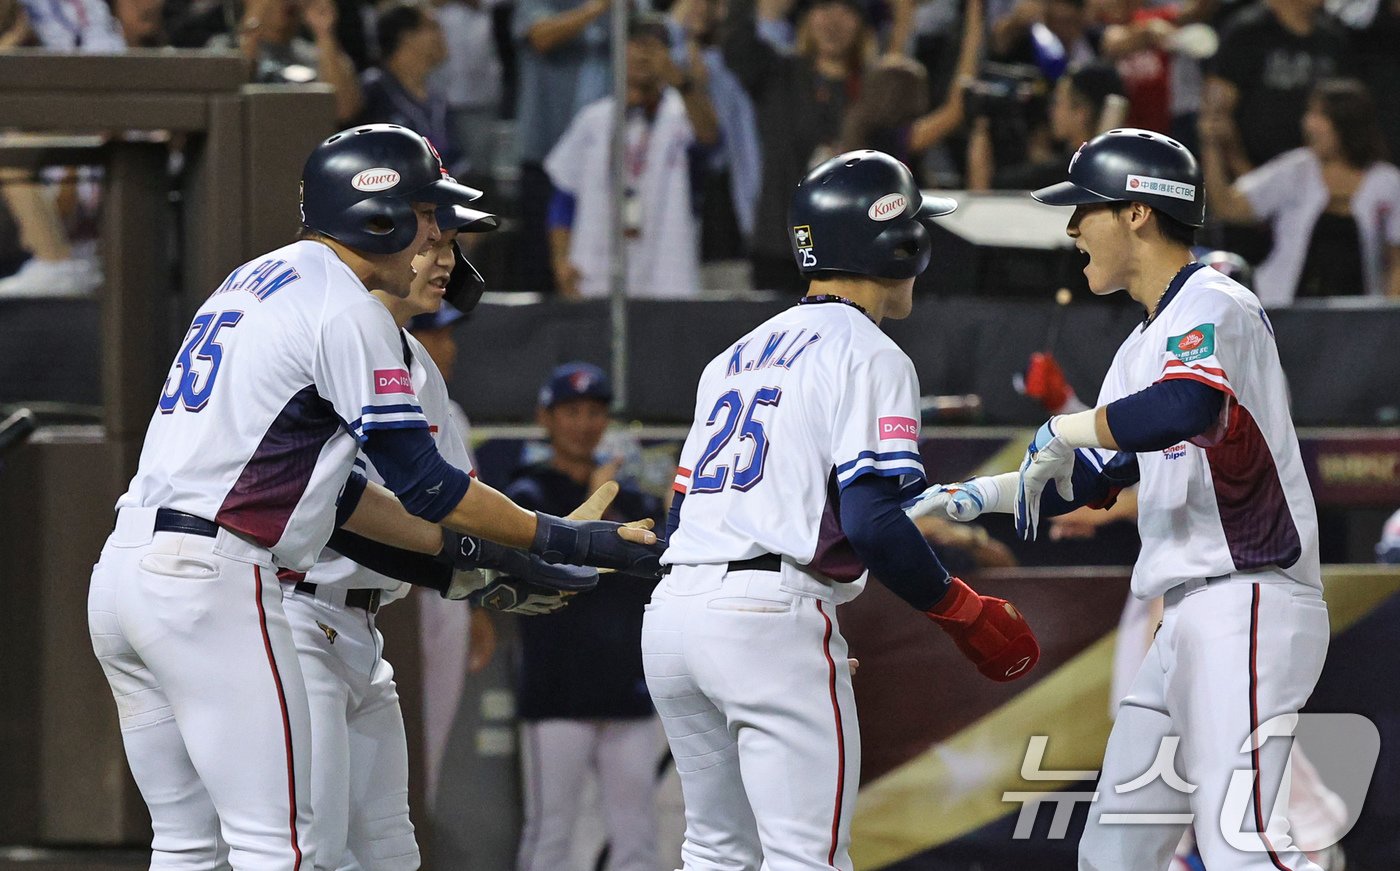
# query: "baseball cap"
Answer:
x=443 y=317
x=576 y=380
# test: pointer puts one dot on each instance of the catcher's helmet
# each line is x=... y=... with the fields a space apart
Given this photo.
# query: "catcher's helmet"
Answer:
x=861 y=213
x=1133 y=166
x=1230 y=265
x=358 y=187
x=466 y=285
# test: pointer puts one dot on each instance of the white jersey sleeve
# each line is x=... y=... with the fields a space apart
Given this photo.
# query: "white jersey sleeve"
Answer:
x=360 y=370
x=335 y=569
x=876 y=428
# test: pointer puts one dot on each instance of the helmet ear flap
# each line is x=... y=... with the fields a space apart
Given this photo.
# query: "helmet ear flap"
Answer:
x=903 y=250
x=383 y=226
x=465 y=287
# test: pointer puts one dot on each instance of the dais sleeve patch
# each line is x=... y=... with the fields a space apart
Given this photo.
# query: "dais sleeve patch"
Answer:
x=1197 y=343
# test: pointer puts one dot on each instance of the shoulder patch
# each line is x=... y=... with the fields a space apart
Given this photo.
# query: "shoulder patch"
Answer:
x=1195 y=344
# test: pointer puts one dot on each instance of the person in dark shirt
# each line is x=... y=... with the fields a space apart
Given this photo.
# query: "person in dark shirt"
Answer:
x=1271 y=55
x=582 y=696
x=411 y=47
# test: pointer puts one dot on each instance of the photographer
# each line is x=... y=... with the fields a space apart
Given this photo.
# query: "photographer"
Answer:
x=268 y=36
x=1083 y=103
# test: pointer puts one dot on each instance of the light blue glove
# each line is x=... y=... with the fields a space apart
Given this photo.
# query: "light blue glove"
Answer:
x=984 y=494
x=1047 y=459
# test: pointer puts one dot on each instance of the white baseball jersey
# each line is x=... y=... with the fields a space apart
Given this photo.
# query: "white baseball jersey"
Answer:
x=332 y=568
x=815 y=396
x=1235 y=499
x=286 y=365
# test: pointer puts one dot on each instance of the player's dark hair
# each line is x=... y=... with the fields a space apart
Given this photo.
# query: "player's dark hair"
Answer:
x=306 y=234
x=1352 y=113
x=395 y=24
x=1171 y=229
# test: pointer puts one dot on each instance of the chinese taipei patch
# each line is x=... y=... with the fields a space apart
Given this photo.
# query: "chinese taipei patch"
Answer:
x=1195 y=344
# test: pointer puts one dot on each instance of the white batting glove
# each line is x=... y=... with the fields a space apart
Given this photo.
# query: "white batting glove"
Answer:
x=1048 y=458
x=986 y=494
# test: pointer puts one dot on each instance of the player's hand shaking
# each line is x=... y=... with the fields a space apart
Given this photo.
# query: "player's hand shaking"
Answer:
x=1047 y=459
x=967 y=500
x=989 y=631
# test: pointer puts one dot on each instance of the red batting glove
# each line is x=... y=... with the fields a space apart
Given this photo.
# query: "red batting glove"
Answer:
x=989 y=631
x=1045 y=381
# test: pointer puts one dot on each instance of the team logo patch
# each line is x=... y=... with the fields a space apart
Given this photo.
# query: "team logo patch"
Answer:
x=802 y=235
x=380 y=178
x=899 y=428
x=1195 y=344
x=331 y=634
x=392 y=381
x=1175 y=452
x=1146 y=184
x=888 y=207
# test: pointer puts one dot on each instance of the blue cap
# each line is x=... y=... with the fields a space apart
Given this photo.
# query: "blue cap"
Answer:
x=576 y=381
x=443 y=317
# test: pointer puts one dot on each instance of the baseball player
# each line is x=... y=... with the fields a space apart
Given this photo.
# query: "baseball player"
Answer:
x=287 y=369
x=1194 y=409
x=790 y=486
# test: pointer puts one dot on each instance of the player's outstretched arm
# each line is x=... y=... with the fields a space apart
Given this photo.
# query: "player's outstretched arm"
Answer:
x=988 y=631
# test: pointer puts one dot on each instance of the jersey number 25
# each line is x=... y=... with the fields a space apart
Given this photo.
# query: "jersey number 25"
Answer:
x=731 y=406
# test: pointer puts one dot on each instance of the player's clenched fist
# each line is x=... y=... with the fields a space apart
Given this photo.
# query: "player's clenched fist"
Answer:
x=989 y=631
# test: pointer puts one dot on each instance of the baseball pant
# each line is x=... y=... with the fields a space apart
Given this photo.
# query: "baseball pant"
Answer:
x=210 y=700
x=1230 y=656
x=359 y=773
x=558 y=754
x=754 y=691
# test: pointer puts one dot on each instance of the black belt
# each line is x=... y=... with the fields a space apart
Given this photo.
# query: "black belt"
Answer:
x=768 y=562
x=170 y=520
x=366 y=599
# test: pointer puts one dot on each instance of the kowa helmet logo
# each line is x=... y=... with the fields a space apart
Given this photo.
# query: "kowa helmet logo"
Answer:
x=380 y=178
x=888 y=207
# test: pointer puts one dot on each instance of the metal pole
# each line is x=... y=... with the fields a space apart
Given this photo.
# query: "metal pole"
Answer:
x=617 y=307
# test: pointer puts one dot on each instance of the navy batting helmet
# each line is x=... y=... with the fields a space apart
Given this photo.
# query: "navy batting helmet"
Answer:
x=1133 y=166
x=359 y=186
x=465 y=286
x=861 y=213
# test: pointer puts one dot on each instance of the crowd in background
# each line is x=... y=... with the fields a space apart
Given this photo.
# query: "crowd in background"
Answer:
x=1289 y=103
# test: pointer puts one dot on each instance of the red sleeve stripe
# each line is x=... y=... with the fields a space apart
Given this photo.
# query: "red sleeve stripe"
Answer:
x=1209 y=369
x=681 y=485
x=682 y=472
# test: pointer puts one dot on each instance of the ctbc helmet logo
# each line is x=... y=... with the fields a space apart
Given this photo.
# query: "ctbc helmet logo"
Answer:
x=380 y=178
x=1134 y=183
x=888 y=207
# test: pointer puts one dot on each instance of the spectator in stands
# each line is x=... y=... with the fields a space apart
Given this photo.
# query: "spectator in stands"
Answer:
x=1084 y=103
x=892 y=114
x=668 y=115
x=1334 y=204
x=1051 y=35
x=1270 y=56
x=563 y=66
x=54 y=268
x=470 y=84
x=396 y=92
x=141 y=23
x=268 y=35
x=730 y=178
x=582 y=695
x=1137 y=40
x=801 y=98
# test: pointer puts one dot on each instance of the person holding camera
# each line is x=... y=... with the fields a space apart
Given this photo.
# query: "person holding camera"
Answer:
x=1084 y=103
